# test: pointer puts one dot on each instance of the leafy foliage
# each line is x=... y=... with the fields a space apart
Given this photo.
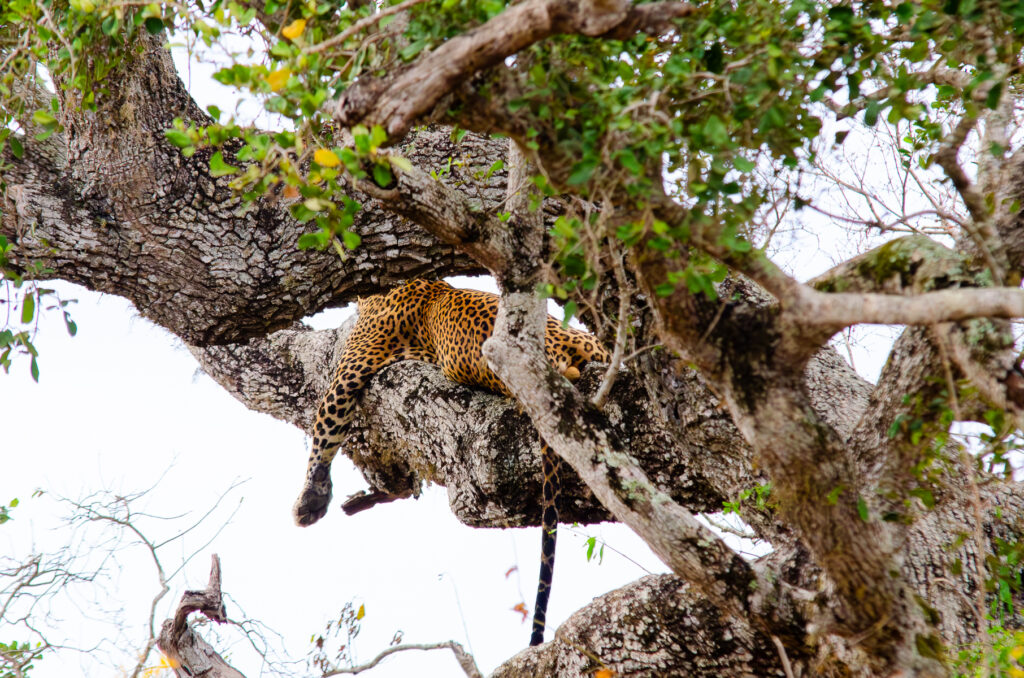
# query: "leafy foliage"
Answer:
x=17 y=659
x=5 y=511
x=342 y=633
x=1001 y=654
x=22 y=303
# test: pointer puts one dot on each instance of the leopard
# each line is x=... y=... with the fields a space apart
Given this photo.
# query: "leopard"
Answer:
x=433 y=322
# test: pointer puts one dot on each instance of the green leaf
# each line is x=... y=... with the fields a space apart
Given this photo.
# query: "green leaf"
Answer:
x=361 y=137
x=833 y=496
x=570 y=311
x=154 y=25
x=925 y=495
x=312 y=241
x=743 y=165
x=664 y=289
x=871 y=113
x=629 y=162
x=351 y=239
x=377 y=137
x=862 y=509
x=28 y=309
x=16 y=148
x=896 y=425
x=382 y=175
x=219 y=168
x=993 y=96
x=34 y=369
x=44 y=120
x=582 y=172
x=70 y=324
x=177 y=138
x=412 y=49
x=715 y=132
x=496 y=167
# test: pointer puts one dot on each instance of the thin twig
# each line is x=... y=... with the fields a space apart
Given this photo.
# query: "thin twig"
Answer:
x=580 y=533
x=360 y=25
x=639 y=351
x=464 y=658
x=620 y=335
x=981 y=231
x=783 y=656
x=729 y=529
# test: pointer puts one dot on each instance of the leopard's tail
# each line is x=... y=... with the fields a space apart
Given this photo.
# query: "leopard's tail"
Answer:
x=549 y=525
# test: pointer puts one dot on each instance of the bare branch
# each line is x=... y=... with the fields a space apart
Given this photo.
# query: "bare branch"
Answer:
x=189 y=654
x=464 y=658
x=834 y=311
x=622 y=327
x=981 y=231
x=361 y=25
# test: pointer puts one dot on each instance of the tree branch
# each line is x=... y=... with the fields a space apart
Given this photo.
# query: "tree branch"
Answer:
x=188 y=653
x=833 y=312
x=397 y=102
x=581 y=436
x=661 y=611
x=465 y=659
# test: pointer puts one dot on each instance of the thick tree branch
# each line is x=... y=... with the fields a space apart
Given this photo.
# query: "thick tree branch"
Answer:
x=396 y=103
x=444 y=212
x=661 y=611
x=769 y=404
x=235 y=271
x=833 y=312
x=415 y=425
x=581 y=436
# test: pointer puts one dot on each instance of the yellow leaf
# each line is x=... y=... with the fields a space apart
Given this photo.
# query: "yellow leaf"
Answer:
x=1017 y=651
x=604 y=673
x=361 y=613
x=294 y=29
x=1016 y=672
x=164 y=664
x=278 y=79
x=403 y=164
x=325 y=158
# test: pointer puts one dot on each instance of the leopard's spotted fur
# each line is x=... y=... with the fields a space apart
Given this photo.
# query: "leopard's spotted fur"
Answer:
x=435 y=323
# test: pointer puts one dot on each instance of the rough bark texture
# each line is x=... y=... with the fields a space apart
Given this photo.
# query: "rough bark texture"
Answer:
x=654 y=626
x=188 y=653
x=123 y=212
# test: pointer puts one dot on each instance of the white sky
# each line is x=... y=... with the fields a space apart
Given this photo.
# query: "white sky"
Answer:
x=123 y=404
